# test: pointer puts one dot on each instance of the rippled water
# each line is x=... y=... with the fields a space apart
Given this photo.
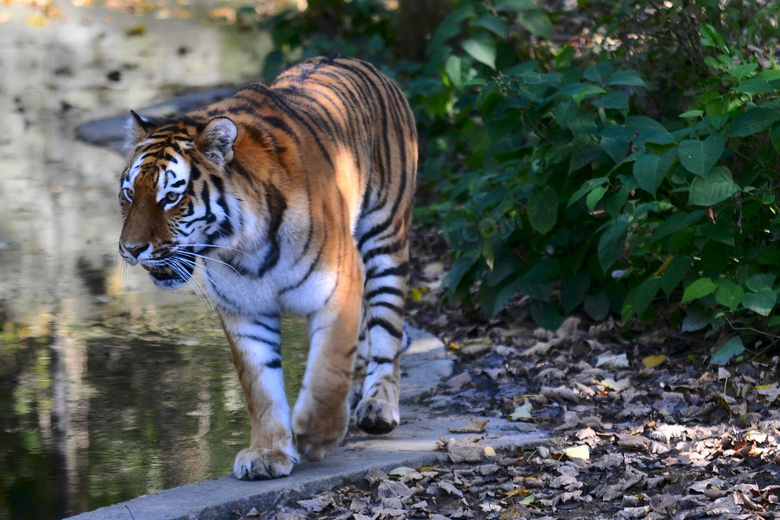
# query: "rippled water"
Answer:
x=109 y=389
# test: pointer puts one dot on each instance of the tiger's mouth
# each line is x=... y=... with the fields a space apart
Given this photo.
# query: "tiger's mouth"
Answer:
x=169 y=278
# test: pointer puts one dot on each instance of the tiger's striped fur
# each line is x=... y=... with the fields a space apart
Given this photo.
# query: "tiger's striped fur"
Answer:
x=296 y=197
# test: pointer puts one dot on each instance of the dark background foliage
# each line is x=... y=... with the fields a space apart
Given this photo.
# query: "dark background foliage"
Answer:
x=611 y=158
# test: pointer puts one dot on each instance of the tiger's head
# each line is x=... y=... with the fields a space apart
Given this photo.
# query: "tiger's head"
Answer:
x=174 y=198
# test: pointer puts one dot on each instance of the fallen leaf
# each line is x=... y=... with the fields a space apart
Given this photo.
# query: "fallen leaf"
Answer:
x=560 y=394
x=578 y=452
x=472 y=426
x=634 y=442
x=466 y=450
x=617 y=386
x=654 y=361
x=612 y=361
x=522 y=413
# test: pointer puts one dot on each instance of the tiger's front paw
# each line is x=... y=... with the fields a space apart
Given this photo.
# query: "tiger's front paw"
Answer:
x=317 y=432
x=377 y=416
x=258 y=463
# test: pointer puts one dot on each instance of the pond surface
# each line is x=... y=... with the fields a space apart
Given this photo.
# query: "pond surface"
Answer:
x=109 y=389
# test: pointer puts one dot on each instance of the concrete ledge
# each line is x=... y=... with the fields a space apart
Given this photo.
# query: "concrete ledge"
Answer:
x=412 y=444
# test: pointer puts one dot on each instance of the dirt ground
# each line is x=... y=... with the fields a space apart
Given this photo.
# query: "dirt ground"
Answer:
x=641 y=426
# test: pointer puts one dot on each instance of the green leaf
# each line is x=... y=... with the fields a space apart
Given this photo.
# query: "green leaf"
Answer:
x=449 y=27
x=675 y=273
x=758 y=281
x=597 y=307
x=711 y=38
x=754 y=86
x=543 y=211
x=564 y=57
x=699 y=157
x=599 y=72
x=586 y=91
x=454 y=71
x=615 y=100
x=514 y=5
x=775 y=136
x=611 y=244
x=699 y=289
x=626 y=78
x=492 y=300
x=493 y=24
x=728 y=294
x=595 y=196
x=481 y=47
x=691 y=113
x=545 y=315
x=460 y=267
x=674 y=223
x=645 y=294
x=753 y=121
x=586 y=187
x=650 y=170
x=648 y=130
x=715 y=187
x=741 y=71
x=537 y=22
x=615 y=141
x=761 y=302
x=696 y=319
x=573 y=290
x=732 y=347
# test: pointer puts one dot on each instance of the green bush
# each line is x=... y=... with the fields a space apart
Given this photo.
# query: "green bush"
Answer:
x=614 y=209
x=634 y=178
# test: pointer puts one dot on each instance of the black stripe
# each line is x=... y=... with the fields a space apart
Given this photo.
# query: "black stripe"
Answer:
x=389 y=327
x=313 y=265
x=275 y=206
x=382 y=360
x=268 y=327
x=392 y=307
x=274 y=363
x=388 y=249
x=273 y=344
x=399 y=270
x=384 y=290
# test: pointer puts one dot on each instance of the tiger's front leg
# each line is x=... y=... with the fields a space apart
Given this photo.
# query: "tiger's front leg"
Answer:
x=321 y=414
x=256 y=347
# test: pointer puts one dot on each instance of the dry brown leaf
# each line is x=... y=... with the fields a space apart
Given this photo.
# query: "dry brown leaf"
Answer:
x=560 y=394
x=466 y=450
x=472 y=426
x=634 y=442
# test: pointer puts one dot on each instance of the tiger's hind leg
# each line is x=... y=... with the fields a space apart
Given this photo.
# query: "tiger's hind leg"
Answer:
x=385 y=293
x=361 y=363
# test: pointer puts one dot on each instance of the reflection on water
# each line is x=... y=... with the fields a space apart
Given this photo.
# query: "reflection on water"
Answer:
x=108 y=388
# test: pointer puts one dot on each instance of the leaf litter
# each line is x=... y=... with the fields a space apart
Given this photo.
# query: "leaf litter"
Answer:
x=638 y=429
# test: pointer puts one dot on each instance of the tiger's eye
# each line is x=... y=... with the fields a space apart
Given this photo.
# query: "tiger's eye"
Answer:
x=128 y=193
x=172 y=197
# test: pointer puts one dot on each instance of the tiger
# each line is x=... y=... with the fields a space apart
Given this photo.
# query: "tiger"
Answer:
x=291 y=197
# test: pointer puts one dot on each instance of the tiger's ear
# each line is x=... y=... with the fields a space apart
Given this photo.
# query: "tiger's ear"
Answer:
x=137 y=128
x=216 y=140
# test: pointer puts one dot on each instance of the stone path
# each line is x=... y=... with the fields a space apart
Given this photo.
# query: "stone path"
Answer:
x=413 y=444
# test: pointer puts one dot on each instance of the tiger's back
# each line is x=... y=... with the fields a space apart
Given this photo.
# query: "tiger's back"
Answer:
x=296 y=197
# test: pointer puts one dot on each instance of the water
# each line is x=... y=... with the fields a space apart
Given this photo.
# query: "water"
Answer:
x=109 y=389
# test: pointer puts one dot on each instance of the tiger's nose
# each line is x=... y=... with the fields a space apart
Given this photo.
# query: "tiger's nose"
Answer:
x=136 y=250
